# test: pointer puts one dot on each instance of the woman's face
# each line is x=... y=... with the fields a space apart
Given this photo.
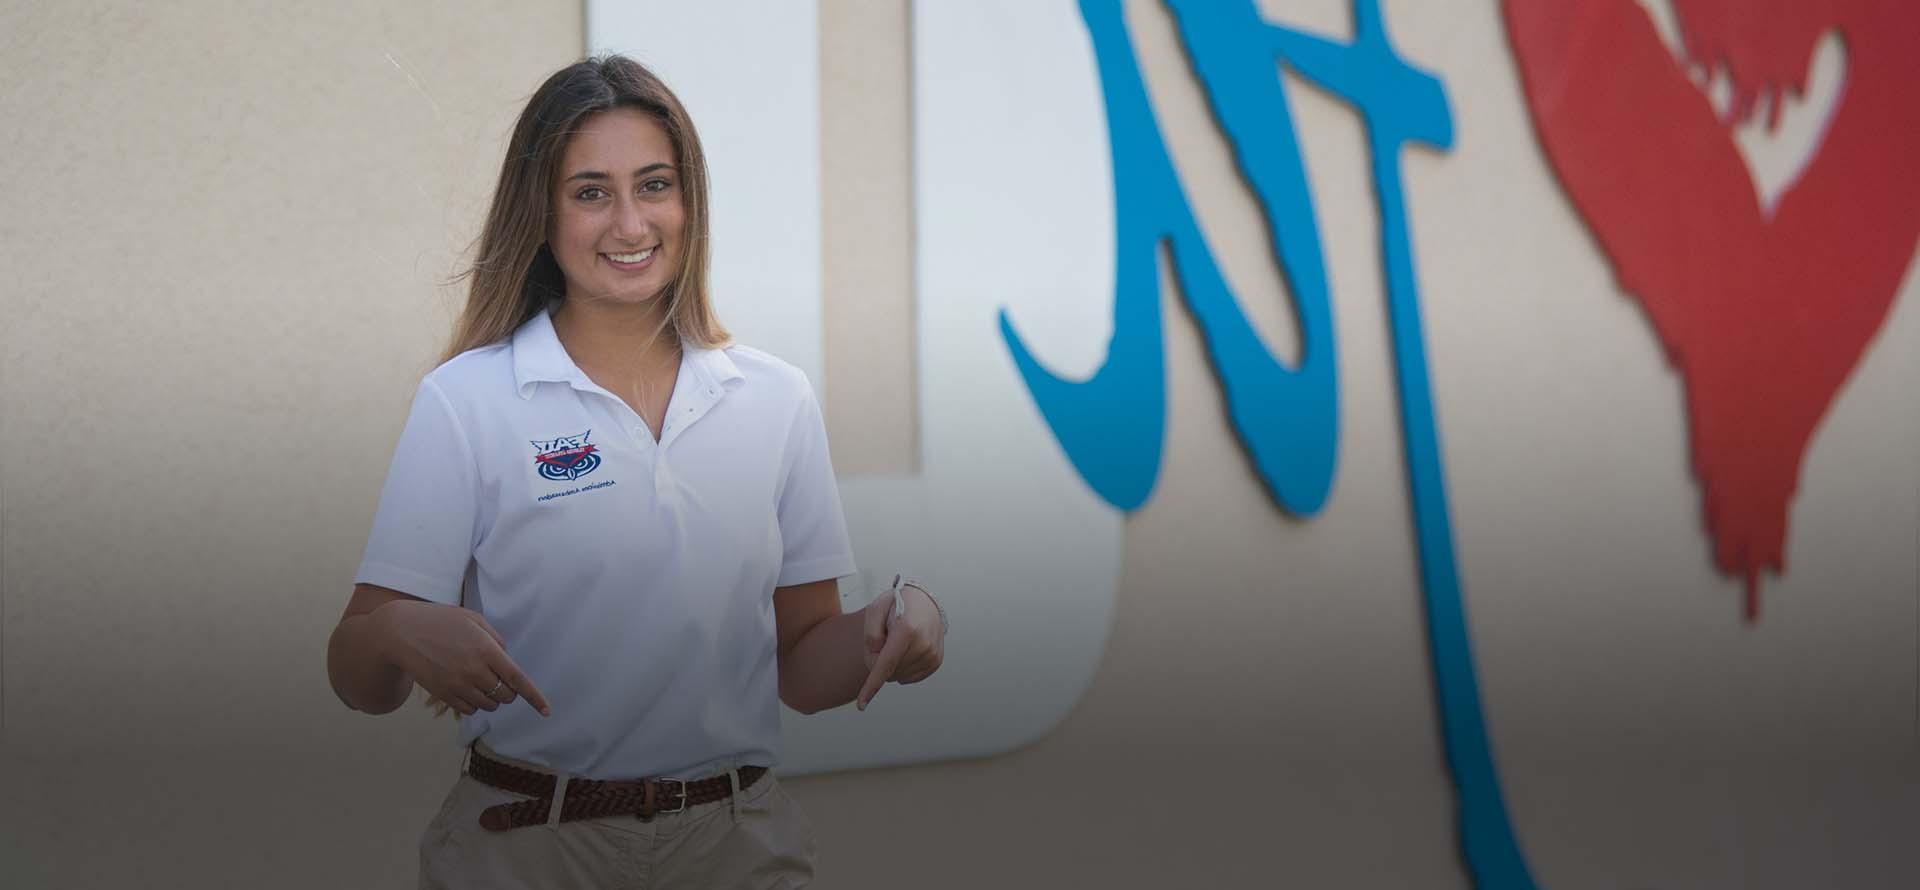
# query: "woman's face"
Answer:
x=617 y=212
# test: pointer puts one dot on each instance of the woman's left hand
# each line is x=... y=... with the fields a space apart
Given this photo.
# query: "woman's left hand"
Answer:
x=907 y=648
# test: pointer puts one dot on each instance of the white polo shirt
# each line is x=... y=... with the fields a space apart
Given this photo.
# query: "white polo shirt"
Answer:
x=633 y=580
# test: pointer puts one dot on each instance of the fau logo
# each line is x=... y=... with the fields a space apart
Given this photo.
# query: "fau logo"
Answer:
x=566 y=458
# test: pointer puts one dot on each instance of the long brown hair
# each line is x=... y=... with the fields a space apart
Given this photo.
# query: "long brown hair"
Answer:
x=514 y=276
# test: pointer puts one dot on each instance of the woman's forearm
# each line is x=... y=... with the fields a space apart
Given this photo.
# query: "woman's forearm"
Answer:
x=827 y=666
x=362 y=675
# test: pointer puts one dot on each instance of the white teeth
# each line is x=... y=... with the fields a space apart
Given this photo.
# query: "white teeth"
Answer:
x=631 y=257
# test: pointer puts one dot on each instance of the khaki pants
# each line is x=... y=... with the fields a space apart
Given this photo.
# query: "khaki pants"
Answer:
x=758 y=840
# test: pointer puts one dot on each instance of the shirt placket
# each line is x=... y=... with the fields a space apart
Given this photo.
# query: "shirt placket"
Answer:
x=689 y=404
x=628 y=422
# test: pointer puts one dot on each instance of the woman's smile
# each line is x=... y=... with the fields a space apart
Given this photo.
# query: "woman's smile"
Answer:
x=631 y=262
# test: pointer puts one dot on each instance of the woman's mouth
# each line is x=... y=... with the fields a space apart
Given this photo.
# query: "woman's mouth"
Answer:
x=630 y=262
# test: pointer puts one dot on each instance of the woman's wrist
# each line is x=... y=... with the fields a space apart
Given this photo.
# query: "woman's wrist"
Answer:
x=917 y=585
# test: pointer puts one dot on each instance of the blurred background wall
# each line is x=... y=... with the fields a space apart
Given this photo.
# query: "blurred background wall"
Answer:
x=227 y=232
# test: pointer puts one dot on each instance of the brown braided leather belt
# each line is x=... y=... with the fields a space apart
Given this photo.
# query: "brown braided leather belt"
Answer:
x=593 y=798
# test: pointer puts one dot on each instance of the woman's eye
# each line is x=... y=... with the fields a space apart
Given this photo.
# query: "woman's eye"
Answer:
x=655 y=185
x=591 y=193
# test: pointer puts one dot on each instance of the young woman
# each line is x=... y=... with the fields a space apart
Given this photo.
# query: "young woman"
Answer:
x=609 y=538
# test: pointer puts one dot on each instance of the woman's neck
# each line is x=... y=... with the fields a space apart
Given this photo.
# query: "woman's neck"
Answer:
x=622 y=338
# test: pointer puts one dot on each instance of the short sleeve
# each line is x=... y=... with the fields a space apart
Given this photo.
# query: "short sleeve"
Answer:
x=812 y=527
x=423 y=531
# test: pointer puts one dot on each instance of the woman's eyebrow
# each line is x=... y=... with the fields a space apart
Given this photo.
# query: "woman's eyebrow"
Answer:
x=598 y=175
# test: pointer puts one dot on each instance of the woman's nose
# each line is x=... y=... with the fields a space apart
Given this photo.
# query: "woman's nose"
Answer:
x=628 y=221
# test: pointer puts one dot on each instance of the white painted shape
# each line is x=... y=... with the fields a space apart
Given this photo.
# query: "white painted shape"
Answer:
x=1009 y=107
x=1013 y=208
x=749 y=74
x=1014 y=194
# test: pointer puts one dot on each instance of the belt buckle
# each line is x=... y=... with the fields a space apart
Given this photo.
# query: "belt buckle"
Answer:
x=683 y=796
x=658 y=786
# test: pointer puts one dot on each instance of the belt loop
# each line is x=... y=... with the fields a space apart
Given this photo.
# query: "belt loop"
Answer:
x=560 y=780
x=733 y=800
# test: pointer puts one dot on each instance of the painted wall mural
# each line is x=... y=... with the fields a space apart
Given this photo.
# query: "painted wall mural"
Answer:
x=1763 y=309
x=1112 y=424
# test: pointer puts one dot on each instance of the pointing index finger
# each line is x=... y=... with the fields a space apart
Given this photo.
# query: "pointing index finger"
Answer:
x=883 y=668
x=876 y=623
x=518 y=681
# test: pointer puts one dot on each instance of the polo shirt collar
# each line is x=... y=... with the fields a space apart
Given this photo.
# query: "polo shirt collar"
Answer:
x=714 y=363
x=538 y=357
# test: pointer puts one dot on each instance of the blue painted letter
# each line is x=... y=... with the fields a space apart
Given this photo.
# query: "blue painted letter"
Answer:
x=1111 y=425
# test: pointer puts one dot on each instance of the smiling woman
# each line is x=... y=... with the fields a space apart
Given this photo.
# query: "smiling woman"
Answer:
x=655 y=615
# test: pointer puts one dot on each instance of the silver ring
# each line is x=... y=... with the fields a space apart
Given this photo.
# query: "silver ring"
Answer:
x=496 y=688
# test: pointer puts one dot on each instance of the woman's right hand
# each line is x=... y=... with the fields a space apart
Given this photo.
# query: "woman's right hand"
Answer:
x=454 y=654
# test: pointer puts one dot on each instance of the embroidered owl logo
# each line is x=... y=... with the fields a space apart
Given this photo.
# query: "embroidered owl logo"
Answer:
x=566 y=458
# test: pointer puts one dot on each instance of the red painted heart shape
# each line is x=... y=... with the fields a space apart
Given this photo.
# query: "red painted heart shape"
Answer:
x=1764 y=315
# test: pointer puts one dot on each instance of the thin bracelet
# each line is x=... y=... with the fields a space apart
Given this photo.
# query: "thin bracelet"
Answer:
x=915 y=584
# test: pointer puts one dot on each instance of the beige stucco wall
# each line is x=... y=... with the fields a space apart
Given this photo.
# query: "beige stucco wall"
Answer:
x=226 y=228
x=866 y=238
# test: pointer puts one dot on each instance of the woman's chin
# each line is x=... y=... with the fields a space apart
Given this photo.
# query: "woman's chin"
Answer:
x=627 y=297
